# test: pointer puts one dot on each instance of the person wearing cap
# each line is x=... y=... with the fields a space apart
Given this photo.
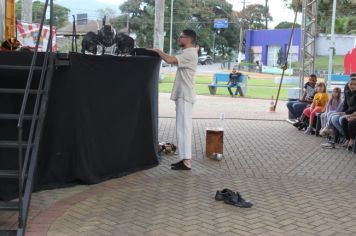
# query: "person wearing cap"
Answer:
x=184 y=95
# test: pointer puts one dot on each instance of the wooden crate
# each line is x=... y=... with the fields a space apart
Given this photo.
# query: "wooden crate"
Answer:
x=214 y=141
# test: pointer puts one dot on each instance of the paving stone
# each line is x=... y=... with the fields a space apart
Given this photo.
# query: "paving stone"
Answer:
x=296 y=188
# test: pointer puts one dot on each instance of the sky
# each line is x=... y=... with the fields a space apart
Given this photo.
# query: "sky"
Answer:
x=277 y=8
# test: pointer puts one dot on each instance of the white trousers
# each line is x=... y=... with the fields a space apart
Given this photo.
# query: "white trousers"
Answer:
x=184 y=128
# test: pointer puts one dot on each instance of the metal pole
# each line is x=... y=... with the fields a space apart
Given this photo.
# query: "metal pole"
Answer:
x=171 y=38
x=241 y=34
x=266 y=14
x=214 y=36
x=332 y=46
x=128 y=23
x=171 y=30
x=158 y=36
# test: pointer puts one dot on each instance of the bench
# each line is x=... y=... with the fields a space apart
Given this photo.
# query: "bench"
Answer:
x=221 y=80
x=338 y=81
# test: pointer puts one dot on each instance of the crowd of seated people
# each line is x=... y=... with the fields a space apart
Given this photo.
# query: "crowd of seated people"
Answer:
x=337 y=114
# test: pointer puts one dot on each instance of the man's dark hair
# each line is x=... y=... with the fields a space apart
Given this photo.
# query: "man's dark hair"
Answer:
x=313 y=76
x=353 y=76
x=191 y=34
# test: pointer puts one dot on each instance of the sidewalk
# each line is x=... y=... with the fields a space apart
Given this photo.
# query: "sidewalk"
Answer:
x=296 y=187
x=210 y=107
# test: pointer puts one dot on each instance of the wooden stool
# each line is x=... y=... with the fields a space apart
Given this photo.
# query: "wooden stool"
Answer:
x=214 y=141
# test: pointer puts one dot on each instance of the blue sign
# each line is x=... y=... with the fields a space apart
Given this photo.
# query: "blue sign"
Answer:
x=221 y=23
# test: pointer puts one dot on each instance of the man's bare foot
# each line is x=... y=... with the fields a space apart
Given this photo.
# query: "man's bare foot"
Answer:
x=351 y=142
x=188 y=163
x=346 y=143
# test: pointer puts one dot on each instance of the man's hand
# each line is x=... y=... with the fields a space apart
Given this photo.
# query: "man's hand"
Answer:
x=308 y=100
x=351 y=118
x=167 y=58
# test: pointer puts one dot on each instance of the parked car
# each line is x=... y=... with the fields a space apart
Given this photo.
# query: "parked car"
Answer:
x=205 y=60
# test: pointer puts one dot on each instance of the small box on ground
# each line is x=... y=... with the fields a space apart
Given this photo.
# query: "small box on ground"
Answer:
x=214 y=141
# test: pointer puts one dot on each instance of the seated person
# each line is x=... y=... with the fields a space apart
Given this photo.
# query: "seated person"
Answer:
x=333 y=117
x=319 y=103
x=332 y=107
x=297 y=107
x=234 y=82
x=349 y=127
x=348 y=108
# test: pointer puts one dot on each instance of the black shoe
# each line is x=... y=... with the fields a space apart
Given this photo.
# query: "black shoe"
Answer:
x=296 y=124
x=177 y=163
x=302 y=126
x=235 y=199
x=180 y=166
x=221 y=195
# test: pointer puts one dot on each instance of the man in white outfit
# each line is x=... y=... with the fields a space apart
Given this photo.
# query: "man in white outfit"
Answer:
x=183 y=94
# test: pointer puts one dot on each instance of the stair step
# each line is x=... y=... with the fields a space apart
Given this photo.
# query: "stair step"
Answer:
x=15 y=117
x=9 y=206
x=12 y=144
x=18 y=91
x=12 y=67
x=9 y=174
x=8 y=232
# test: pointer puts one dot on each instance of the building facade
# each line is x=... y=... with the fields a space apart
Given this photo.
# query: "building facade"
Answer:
x=268 y=45
x=343 y=44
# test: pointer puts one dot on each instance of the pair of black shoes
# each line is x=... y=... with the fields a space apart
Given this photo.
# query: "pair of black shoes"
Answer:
x=300 y=125
x=179 y=166
x=232 y=198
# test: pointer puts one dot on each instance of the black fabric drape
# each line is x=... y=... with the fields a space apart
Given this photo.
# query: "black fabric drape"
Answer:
x=101 y=122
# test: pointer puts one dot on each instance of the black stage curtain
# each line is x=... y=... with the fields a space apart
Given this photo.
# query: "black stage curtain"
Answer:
x=101 y=122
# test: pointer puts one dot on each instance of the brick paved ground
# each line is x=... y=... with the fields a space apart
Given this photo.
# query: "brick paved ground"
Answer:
x=296 y=187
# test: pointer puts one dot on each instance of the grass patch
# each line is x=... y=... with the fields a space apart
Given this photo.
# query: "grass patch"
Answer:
x=252 y=92
x=322 y=62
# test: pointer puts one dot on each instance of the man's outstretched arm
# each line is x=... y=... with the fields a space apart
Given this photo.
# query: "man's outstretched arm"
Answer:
x=167 y=58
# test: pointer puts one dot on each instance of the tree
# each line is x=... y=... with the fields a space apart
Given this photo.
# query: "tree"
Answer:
x=351 y=25
x=60 y=13
x=195 y=14
x=108 y=12
x=286 y=25
x=254 y=16
x=251 y=56
x=279 y=57
x=345 y=8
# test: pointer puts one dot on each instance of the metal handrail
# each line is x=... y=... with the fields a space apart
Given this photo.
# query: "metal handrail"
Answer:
x=24 y=166
x=30 y=75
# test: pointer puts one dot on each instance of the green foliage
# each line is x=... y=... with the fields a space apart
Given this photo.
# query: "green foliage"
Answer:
x=254 y=16
x=322 y=62
x=251 y=56
x=351 y=25
x=108 y=12
x=60 y=13
x=345 y=12
x=256 y=88
x=195 y=14
x=286 y=25
x=279 y=57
